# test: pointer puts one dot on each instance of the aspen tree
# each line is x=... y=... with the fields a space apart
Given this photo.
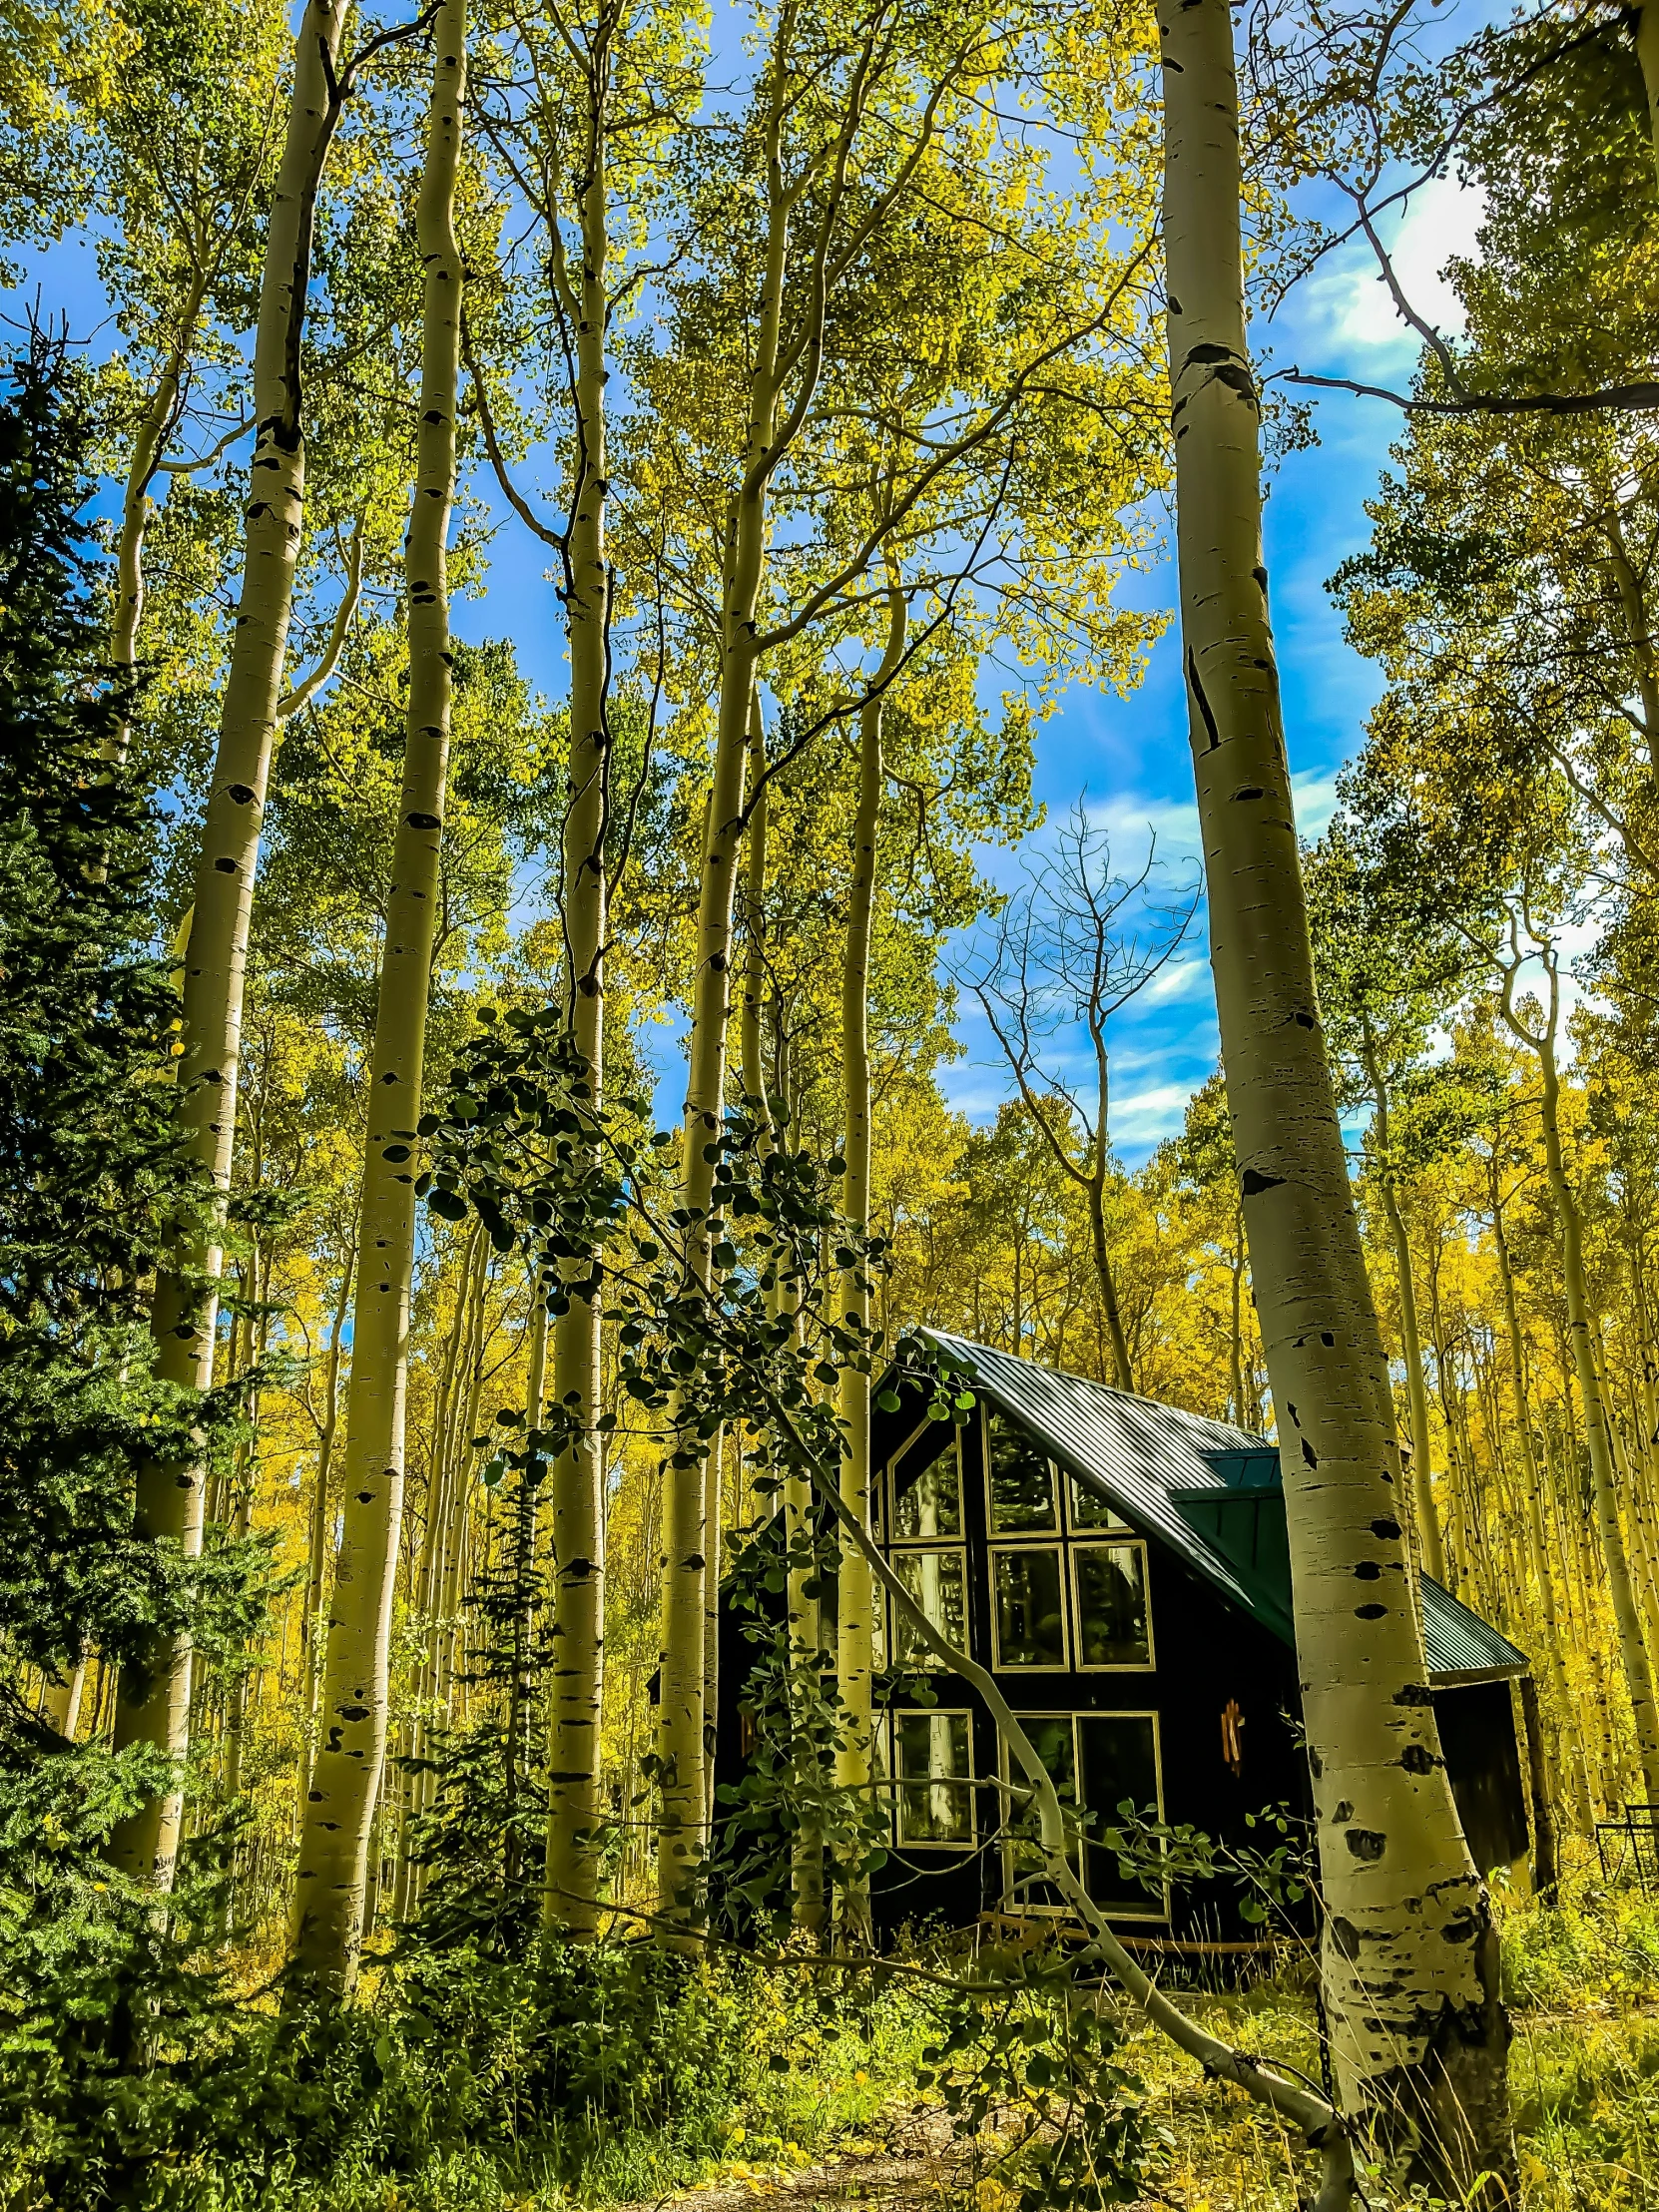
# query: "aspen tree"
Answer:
x=1583 y=1339
x=802 y=1613
x=1410 y=1330
x=330 y=1880
x=855 y=1590
x=604 y=88
x=153 y=1699
x=1409 y=1951
x=578 y=1506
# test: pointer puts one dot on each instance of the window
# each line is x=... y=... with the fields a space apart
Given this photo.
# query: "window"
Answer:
x=1028 y=1607
x=1099 y=1761
x=1092 y=1511
x=935 y=1580
x=1118 y=1764
x=1053 y=1737
x=1108 y=1584
x=933 y=1769
x=927 y=1488
x=1020 y=1481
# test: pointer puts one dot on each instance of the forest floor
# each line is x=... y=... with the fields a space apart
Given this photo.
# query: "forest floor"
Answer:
x=1583 y=1987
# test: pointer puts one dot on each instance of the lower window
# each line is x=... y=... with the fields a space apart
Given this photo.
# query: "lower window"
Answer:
x=1098 y=1762
x=933 y=1774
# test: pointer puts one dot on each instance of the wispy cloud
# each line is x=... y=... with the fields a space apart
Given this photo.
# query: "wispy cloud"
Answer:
x=1147 y=1117
x=1350 y=302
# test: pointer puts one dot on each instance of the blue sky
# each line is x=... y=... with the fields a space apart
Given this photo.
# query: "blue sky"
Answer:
x=1129 y=755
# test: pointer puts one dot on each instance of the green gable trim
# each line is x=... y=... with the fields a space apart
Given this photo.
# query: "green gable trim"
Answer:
x=1209 y=1491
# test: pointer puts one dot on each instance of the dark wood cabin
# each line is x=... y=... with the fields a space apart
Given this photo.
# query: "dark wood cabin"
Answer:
x=1123 y=1569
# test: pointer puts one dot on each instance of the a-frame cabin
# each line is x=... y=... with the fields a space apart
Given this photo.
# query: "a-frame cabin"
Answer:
x=1124 y=1571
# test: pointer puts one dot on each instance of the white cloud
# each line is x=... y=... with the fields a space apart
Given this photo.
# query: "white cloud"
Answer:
x=1145 y=1117
x=1179 y=981
x=1315 y=796
x=1352 y=303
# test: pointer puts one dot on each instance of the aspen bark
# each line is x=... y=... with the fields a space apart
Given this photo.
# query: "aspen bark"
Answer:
x=855 y=1589
x=1410 y=1344
x=1621 y=1587
x=576 y=1684
x=329 y=1886
x=1409 y=1964
x=802 y=1619
x=523 y=1533
x=1647 y=54
x=1535 y=1481
x=743 y=565
x=153 y=1696
x=1633 y=610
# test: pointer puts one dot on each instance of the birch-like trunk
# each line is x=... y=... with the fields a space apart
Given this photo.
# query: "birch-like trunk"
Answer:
x=1621 y=1587
x=802 y=1615
x=1647 y=54
x=1535 y=1480
x=329 y=1884
x=855 y=1589
x=577 y=1681
x=680 y=1841
x=1409 y=1965
x=153 y=1695
x=1430 y=1552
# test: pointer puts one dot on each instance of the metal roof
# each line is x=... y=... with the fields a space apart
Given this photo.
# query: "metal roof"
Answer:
x=1212 y=1491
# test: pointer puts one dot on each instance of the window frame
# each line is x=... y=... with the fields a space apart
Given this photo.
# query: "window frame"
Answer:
x=1006 y=1773
x=994 y=1551
x=890 y=1491
x=1095 y=1532
x=925 y=1661
x=1057 y=1483
x=969 y=1782
x=1148 y=1665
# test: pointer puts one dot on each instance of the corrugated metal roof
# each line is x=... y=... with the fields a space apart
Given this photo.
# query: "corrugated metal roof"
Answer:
x=1459 y=1643
x=1186 y=1479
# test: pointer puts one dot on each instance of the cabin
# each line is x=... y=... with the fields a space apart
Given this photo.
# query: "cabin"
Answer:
x=1123 y=1569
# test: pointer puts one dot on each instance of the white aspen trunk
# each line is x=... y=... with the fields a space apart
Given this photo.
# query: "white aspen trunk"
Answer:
x=680 y=1710
x=1432 y=1554
x=1647 y=54
x=855 y=1588
x=1409 y=1956
x=319 y=1551
x=523 y=1533
x=1621 y=1587
x=330 y=1883
x=577 y=1681
x=713 y=1509
x=802 y=1621
x=153 y=1696
x=62 y=1703
x=1535 y=1481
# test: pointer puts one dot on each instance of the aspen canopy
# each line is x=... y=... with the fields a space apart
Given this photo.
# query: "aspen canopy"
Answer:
x=828 y=1104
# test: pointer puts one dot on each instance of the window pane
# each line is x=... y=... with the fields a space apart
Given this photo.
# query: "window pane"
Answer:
x=927 y=1489
x=1111 y=1606
x=1051 y=1739
x=1091 y=1510
x=1030 y=1625
x=934 y=1801
x=1023 y=1481
x=1120 y=1766
x=935 y=1580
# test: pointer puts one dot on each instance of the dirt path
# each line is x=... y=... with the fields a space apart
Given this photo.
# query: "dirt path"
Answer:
x=919 y=2159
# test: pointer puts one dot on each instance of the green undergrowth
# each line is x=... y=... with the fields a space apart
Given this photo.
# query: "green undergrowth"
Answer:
x=585 y=2077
